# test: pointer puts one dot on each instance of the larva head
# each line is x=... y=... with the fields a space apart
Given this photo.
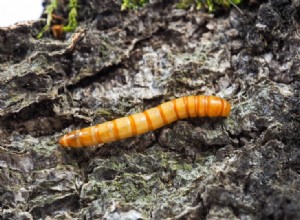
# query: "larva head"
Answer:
x=70 y=140
x=226 y=108
x=217 y=107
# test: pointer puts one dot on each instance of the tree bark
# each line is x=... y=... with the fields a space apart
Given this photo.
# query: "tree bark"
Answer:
x=121 y=62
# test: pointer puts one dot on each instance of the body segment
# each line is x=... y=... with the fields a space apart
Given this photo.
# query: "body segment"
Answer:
x=151 y=119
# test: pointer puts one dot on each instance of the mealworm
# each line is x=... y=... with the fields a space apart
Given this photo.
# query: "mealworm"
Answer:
x=149 y=120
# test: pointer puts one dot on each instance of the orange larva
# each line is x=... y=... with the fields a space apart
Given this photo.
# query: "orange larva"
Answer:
x=151 y=119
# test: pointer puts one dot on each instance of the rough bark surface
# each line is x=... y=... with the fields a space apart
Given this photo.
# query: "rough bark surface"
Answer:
x=117 y=63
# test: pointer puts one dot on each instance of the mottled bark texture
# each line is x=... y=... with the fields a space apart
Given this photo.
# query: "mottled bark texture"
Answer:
x=117 y=63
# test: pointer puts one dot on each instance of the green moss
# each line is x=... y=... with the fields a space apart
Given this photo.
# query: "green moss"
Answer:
x=145 y=180
x=133 y=4
x=49 y=10
x=117 y=166
x=183 y=4
x=209 y=4
x=103 y=111
x=72 y=17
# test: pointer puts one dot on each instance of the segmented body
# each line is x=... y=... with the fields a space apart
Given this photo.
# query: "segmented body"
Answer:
x=151 y=119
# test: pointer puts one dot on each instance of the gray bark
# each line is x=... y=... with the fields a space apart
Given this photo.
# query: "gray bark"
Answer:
x=117 y=63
